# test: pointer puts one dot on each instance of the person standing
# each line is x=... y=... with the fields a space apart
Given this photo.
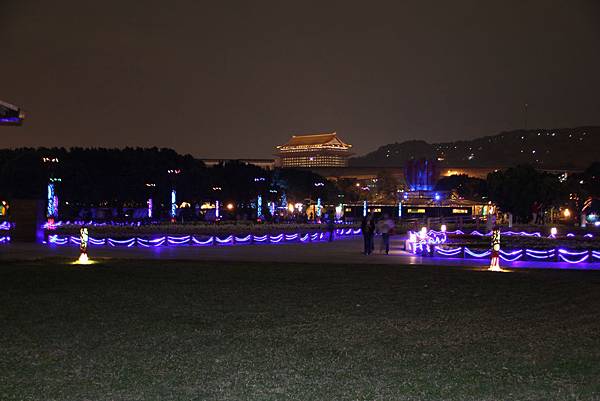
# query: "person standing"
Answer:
x=385 y=227
x=363 y=229
x=331 y=226
x=373 y=228
x=367 y=227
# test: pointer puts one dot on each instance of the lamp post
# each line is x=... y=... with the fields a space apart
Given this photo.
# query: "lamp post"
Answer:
x=51 y=198
x=271 y=203
x=259 y=198
x=173 y=174
x=217 y=205
x=318 y=189
x=150 y=203
x=366 y=201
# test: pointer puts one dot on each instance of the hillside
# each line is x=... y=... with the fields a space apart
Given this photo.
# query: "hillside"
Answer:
x=554 y=148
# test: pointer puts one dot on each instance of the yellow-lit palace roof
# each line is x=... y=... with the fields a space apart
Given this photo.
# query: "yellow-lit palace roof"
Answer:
x=323 y=140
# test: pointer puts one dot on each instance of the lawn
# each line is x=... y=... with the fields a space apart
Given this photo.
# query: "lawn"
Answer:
x=131 y=330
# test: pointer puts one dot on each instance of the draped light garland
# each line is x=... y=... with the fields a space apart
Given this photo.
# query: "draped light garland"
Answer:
x=190 y=240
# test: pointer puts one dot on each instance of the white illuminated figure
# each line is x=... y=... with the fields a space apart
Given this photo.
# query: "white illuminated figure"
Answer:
x=495 y=254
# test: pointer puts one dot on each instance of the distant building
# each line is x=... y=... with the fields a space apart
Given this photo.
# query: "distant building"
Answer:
x=267 y=164
x=318 y=150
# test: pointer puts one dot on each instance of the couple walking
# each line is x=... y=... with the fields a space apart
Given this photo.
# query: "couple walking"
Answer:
x=370 y=225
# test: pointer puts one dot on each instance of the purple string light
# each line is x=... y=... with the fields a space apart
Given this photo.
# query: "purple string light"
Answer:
x=475 y=254
x=209 y=241
x=227 y=240
x=516 y=255
x=191 y=240
x=583 y=259
x=532 y=253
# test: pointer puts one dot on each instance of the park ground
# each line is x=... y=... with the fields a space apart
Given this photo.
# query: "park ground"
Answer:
x=190 y=330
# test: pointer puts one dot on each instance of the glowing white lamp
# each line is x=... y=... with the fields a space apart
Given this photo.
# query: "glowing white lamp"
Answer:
x=83 y=245
x=495 y=253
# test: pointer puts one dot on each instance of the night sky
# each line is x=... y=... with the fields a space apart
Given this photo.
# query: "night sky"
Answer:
x=234 y=79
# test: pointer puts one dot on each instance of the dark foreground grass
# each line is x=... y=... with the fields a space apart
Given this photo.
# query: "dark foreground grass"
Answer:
x=126 y=330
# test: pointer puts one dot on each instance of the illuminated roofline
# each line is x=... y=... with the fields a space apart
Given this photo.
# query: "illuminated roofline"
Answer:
x=332 y=137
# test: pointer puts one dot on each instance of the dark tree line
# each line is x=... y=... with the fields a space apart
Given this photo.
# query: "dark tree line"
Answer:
x=128 y=177
x=517 y=189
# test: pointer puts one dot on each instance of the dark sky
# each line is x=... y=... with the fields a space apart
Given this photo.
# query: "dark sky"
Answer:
x=233 y=79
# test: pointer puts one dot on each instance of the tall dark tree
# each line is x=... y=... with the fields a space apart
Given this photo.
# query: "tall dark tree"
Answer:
x=465 y=186
x=517 y=189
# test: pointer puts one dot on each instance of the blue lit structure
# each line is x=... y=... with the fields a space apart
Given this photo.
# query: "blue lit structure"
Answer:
x=365 y=209
x=150 y=204
x=400 y=209
x=217 y=213
x=421 y=174
x=318 y=207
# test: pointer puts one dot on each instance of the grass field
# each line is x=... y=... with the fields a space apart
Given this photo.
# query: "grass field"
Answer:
x=124 y=330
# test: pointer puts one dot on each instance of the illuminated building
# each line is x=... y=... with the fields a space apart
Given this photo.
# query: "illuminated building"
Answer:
x=267 y=164
x=319 y=150
x=10 y=115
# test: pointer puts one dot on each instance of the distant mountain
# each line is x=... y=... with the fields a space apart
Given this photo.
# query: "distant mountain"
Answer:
x=554 y=148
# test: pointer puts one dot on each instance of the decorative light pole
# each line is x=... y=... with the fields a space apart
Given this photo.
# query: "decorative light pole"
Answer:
x=259 y=213
x=365 y=202
x=173 y=173
x=51 y=199
x=400 y=204
x=217 y=203
x=284 y=202
x=150 y=202
x=318 y=186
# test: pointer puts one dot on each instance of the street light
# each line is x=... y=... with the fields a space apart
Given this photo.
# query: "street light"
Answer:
x=217 y=206
x=365 y=202
x=259 y=198
x=150 y=202
x=173 y=173
x=318 y=208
